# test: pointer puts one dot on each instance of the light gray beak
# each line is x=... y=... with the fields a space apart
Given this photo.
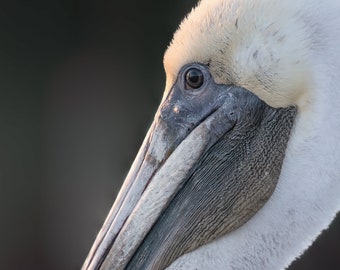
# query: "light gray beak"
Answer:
x=209 y=162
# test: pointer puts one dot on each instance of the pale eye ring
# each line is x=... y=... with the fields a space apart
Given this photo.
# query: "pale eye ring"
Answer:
x=194 y=79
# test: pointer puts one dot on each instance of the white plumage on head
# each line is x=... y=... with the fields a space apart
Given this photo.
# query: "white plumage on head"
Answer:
x=287 y=53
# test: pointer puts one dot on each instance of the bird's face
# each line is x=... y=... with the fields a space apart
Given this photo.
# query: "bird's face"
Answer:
x=210 y=161
x=213 y=154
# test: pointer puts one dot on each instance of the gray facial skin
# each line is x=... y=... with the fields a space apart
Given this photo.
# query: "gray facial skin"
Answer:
x=230 y=180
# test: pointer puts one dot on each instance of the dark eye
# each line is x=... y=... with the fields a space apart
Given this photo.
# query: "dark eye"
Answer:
x=193 y=79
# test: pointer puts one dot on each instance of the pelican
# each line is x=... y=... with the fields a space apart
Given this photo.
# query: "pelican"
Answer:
x=240 y=167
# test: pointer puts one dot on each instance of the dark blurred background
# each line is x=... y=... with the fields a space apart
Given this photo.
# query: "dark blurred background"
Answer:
x=79 y=83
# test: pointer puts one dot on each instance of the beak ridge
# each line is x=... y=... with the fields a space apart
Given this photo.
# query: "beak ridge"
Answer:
x=162 y=164
x=167 y=178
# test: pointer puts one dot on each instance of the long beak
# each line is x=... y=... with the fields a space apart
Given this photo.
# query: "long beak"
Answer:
x=190 y=175
x=162 y=164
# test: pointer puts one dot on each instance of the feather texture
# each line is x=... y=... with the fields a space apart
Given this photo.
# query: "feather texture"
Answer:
x=287 y=53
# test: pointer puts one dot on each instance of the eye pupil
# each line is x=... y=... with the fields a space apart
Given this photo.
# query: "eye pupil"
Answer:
x=194 y=78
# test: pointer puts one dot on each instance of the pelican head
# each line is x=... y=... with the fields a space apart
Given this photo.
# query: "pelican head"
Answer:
x=238 y=169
